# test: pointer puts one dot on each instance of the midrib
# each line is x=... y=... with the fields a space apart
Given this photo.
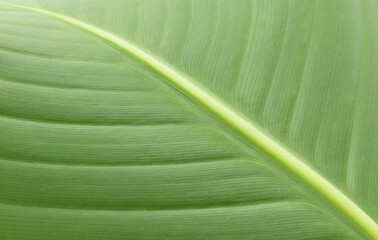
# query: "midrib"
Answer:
x=235 y=120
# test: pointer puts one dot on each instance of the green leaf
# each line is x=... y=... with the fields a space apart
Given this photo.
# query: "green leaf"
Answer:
x=188 y=119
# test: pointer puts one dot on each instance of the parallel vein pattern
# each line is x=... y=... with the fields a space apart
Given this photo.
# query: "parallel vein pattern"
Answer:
x=88 y=129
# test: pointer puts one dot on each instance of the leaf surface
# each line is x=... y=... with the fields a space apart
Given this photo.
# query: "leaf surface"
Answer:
x=188 y=120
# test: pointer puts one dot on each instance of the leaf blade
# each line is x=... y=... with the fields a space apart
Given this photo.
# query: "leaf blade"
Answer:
x=239 y=123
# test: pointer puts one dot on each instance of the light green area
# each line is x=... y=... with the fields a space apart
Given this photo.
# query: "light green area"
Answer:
x=111 y=139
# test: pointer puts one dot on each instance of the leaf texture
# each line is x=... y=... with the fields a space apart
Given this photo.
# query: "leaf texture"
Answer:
x=97 y=144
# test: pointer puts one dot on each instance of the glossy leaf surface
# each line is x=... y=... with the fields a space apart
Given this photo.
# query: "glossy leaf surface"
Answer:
x=188 y=119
